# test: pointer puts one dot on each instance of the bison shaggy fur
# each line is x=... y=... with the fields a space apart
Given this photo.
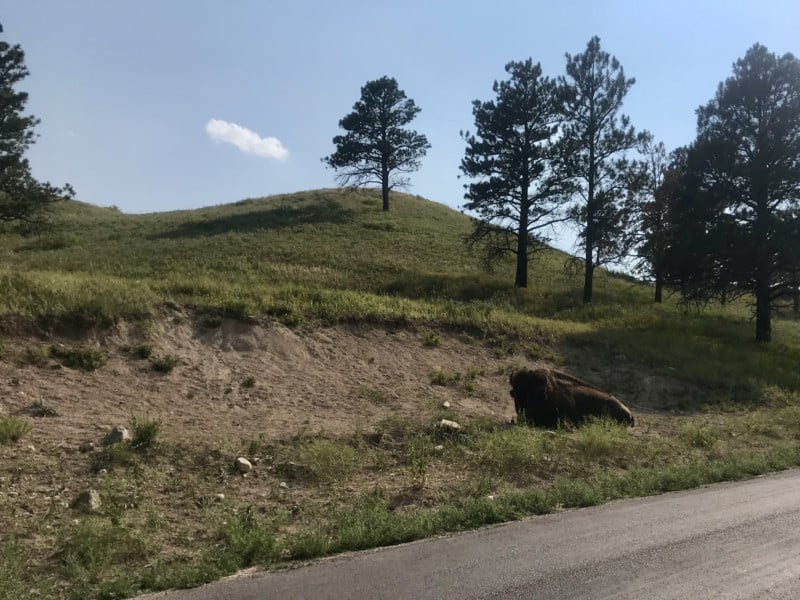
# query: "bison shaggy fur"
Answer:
x=547 y=397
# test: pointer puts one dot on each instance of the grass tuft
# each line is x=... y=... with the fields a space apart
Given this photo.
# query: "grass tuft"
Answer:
x=88 y=359
x=165 y=364
x=329 y=461
x=12 y=429
x=40 y=408
x=145 y=432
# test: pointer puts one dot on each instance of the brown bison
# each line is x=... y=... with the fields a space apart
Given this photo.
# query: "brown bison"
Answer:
x=547 y=397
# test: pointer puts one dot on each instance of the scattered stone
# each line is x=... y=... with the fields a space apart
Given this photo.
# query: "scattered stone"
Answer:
x=117 y=435
x=243 y=465
x=87 y=501
x=86 y=447
x=491 y=497
x=451 y=425
x=283 y=485
x=438 y=448
x=445 y=404
x=255 y=460
x=31 y=448
x=219 y=497
x=102 y=472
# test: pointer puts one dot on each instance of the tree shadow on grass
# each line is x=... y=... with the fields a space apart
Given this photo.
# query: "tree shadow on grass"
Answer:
x=426 y=286
x=716 y=360
x=284 y=216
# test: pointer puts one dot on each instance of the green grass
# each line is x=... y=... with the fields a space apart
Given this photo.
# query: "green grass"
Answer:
x=88 y=359
x=333 y=257
x=12 y=429
x=144 y=432
x=164 y=364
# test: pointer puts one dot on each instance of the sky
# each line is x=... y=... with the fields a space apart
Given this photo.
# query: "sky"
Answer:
x=154 y=105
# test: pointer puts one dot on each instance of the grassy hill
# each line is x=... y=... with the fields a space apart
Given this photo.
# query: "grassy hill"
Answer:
x=333 y=256
x=270 y=254
x=324 y=339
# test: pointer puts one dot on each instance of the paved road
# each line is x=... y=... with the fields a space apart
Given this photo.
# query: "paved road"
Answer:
x=729 y=541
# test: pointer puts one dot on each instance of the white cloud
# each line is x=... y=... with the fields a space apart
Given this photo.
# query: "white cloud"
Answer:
x=246 y=140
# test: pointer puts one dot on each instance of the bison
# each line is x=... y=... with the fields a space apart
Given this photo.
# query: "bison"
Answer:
x=547 y=397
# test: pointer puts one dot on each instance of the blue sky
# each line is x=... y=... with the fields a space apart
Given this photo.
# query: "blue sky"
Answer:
x=126 y=90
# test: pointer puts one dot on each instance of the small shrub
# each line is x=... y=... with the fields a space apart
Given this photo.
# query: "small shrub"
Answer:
x=501 y=346
x=291 y=320
x=443 y=378
x=431 y=339
x=142 y=351
x=165 y=364
x=12 y=429
x=41 y=409
x=87 y=359
x=36 y=357
x=145 y=432
x=329 y=460
x=249 y=382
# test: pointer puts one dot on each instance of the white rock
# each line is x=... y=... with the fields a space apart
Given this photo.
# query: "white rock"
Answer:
x=243 y=465
x=451 y=425
x=438 y=448
x=87 y=501
x=283 y=485
x=117 y=435
x=219 y=497
x=445 y=404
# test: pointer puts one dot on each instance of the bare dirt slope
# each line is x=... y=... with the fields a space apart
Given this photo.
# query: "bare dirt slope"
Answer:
x=333 y=380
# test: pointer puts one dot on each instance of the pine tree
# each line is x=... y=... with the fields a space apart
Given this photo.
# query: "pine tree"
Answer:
x=744 y=171
x=22 y=198
x=376 y=149
x=520 y=191
x=596 y=139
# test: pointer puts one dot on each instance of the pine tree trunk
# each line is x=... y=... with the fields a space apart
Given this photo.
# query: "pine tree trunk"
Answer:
x=521 y=279
x=763 y=306
x=385 y=185
x=385 y=194
x=659 y=287
x=588 y=276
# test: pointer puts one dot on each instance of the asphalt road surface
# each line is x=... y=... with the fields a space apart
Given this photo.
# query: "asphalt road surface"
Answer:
x=732 y=541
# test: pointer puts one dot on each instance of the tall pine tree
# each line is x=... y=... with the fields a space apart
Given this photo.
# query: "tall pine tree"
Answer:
x=596 y=139
x=519 y=190
x=743 y=172
x=22 y=198
x=376 y=148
